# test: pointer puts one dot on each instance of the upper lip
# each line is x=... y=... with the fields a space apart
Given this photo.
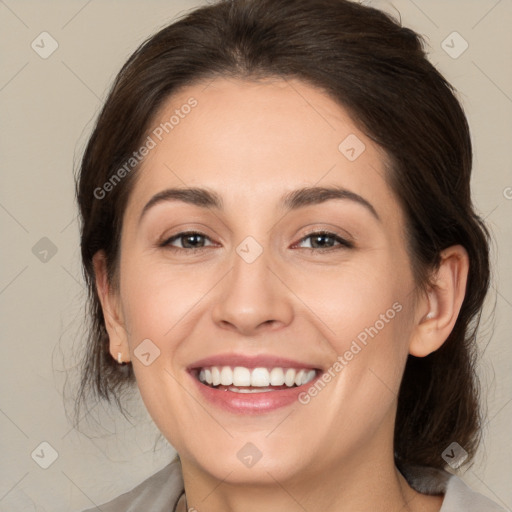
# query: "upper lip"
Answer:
x=256 y=361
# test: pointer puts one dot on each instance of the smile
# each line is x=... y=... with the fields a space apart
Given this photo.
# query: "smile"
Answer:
x=251 y=383
x=240 y=379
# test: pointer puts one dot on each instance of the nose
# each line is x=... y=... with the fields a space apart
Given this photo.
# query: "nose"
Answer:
x=253 y=297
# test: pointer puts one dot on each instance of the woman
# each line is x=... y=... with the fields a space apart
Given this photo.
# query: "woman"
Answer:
x=282 y=254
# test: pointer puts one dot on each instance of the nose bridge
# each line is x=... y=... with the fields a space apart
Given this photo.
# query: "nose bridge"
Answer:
x=251 y=265
x=252 y=295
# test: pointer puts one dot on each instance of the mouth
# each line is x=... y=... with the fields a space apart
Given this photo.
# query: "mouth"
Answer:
x=257 y=384
x=241 y=379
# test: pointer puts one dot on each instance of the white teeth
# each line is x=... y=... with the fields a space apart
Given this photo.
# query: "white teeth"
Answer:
x=309 y=377
x=260 y=377
x=256 y=377
x=215 y=376
x=241 y=376
x=289 y=378
x=241 y=390
x=277 y=377
x=226 y=376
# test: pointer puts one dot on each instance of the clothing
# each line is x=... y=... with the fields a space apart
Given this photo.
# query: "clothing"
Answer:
x=164 y=492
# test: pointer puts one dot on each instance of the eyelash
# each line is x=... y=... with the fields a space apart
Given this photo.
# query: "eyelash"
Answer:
x=343 y=244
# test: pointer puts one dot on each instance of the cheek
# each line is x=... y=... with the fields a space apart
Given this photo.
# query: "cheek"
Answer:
x=157 y=299
x=155 y=306
x=359 y=299
x=356 y=298
x=363 y=312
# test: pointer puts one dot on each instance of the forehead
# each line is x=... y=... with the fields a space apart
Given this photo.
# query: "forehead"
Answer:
x=254 y=141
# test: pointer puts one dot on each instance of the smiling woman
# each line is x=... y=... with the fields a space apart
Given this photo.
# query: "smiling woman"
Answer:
x=294 y=274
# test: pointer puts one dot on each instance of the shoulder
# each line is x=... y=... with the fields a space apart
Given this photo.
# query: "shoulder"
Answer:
x=158 y=493
x=458 y=497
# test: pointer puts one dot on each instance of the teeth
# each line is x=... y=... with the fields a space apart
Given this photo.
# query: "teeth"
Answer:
x=277 y=377
x=242 y=376
x=257 y=377
x=289 y=378
x=226 y=376
x=242 y=390
x=260 y=377
x=215 y=375
x=309 y=377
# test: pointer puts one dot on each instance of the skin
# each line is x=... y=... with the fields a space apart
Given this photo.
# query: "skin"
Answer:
x=252 y=142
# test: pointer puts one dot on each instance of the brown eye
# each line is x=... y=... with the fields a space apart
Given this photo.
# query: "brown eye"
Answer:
x=187 y=240
x=325 y=240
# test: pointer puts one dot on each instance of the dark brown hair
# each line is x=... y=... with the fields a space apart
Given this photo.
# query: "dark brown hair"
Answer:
x=379 y=72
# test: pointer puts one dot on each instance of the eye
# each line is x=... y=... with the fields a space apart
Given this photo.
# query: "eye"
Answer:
x=192 y=240
x=325 y=240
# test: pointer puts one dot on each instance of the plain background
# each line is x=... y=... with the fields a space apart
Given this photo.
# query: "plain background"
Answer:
x=47 y=110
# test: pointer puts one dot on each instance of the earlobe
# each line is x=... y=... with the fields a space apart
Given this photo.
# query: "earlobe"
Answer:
x=440 y=309
x=112 y=314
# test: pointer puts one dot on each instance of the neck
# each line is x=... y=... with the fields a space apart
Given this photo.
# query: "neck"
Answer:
x=365 y=484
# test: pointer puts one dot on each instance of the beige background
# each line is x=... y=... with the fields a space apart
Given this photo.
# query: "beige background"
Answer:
x=47 y=110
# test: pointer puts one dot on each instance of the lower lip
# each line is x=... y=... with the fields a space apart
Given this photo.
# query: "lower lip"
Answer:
x=252 y=403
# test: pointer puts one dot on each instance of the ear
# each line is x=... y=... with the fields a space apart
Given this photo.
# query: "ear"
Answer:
x=112 y=313
x=438 y=311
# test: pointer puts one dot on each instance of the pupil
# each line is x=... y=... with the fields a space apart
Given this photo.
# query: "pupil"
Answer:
x=191 y=238
x=321 y=238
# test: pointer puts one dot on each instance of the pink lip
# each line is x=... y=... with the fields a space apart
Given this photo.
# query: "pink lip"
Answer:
x=259 y=361
x=249 y=403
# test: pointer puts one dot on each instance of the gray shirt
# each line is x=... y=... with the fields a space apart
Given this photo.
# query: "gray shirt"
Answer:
x=164 y=492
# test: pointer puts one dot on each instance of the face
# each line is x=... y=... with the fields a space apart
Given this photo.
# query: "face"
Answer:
x=289 y=255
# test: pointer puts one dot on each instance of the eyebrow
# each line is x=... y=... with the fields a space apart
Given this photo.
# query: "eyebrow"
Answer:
x=293 y=200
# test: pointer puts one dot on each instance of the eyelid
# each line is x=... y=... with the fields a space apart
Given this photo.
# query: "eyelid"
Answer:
x=165 y=242
x=342 y=241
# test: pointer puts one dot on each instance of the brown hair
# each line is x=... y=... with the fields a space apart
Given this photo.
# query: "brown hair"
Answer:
x=379 y=72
